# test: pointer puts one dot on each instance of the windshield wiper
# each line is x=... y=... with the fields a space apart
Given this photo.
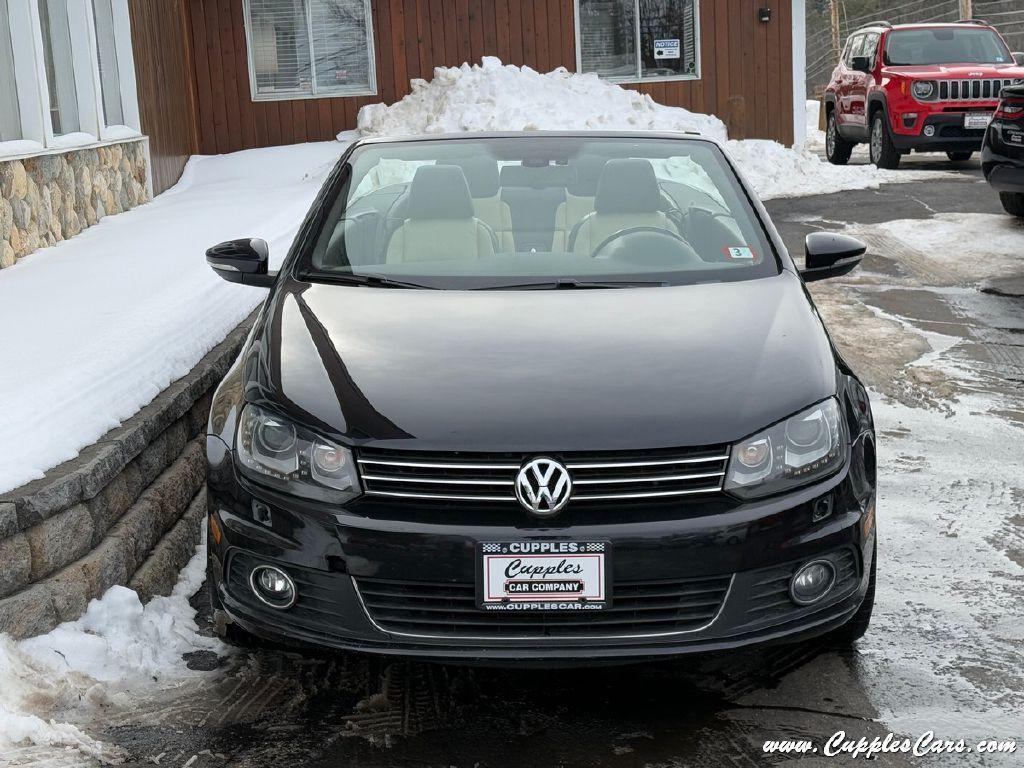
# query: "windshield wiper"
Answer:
x=377 y=281
x=564 y=284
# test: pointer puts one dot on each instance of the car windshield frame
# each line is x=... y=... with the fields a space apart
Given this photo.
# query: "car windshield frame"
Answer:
x=333 y=202
x=961 y=30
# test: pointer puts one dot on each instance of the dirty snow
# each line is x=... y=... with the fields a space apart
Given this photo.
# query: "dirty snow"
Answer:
x=492 y=96
x=119 y=650
x=107 y=319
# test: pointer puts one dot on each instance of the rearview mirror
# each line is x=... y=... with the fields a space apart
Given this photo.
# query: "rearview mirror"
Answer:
x=861 y=64
x=1018 y=58
x=830 y=255
x=242 y=261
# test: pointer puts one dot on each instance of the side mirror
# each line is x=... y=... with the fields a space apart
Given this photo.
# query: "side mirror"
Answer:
x=861 y=64
x=830 y=255
x=242 y=261
x=1018 y=58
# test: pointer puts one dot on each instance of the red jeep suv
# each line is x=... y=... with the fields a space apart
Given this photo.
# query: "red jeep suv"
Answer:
x=917 y=87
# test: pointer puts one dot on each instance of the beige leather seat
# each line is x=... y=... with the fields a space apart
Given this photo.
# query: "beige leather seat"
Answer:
x=439 y=223
x=628 y=196
x=484 y=187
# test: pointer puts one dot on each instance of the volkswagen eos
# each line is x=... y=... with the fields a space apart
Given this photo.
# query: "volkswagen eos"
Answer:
x=557 y=397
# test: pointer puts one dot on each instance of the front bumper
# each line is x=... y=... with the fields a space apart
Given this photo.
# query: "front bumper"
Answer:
x=1002 y=156
x=742 y=557
x=950 y=134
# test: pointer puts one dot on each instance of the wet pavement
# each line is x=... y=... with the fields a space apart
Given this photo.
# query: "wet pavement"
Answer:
x=945 y=651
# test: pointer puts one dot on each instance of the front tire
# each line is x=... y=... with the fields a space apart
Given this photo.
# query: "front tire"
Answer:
x=854 y=629
x=959 y=157
x=883 y=152
x=1013 y=203
x=837 y=149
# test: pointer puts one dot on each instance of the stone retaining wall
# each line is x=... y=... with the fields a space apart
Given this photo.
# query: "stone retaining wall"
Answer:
x=128 y=510
x=50 y=197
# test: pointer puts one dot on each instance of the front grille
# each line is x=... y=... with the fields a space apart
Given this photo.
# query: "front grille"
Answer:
x=769 y=593
x=449 y=610
x=972 y=90
x=596 y=477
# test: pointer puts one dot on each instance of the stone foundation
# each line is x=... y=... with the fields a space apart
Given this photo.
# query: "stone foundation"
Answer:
x=50 y=197
x=128 y=510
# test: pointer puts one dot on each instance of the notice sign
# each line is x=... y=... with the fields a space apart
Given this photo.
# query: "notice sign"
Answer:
x=666 y=49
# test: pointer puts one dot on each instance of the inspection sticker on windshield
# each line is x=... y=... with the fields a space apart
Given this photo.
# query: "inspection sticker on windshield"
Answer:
x=738 y=253
x=543 y=575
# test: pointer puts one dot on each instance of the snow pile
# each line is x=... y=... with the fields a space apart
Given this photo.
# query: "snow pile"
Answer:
x=815 y=137
x=101 y=323
x=116 y=649
x=496 y=97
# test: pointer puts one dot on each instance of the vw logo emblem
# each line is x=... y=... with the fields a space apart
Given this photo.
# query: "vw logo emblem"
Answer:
x=543 y=486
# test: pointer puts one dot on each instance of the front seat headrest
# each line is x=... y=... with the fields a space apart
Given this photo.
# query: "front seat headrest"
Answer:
x=628 y=186
x=481 y=174
x=439 y=192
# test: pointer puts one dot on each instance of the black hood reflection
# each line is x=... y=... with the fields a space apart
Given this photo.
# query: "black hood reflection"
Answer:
x=543 y=370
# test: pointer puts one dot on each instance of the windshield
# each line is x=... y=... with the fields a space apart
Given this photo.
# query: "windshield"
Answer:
x=544 y=211
x=945 y=45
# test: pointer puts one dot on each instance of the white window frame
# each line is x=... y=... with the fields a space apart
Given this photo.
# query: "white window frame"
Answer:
x=636 y=31
x=370 y=90
x=30 y=74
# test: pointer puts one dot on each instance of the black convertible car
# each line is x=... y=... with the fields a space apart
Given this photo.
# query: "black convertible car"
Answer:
x=1002 y=154
x=547 y=397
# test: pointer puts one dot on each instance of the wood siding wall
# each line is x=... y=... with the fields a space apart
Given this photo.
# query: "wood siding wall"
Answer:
x=165 y=77
x=746 y=66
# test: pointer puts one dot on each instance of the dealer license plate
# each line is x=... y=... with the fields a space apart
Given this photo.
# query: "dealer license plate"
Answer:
x=977 y=120
x=534 y=575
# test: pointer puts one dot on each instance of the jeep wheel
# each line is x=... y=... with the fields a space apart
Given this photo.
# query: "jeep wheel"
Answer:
x=959 y=157
x=883 y=153
x=1013 y=203
x=837 y=149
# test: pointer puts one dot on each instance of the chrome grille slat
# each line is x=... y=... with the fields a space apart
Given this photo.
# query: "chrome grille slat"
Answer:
x=599 y=476
x=637 y=609
x=648 y=479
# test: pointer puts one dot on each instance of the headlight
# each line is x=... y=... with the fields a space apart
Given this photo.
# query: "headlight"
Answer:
x=275 y=452
x=923 y=89
x=794 y=452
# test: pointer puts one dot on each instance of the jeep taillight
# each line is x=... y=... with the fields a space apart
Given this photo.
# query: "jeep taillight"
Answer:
x=1010 y=109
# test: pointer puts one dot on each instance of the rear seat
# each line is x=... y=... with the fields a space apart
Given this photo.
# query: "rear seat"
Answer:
x=579 y=199
x=533 y=194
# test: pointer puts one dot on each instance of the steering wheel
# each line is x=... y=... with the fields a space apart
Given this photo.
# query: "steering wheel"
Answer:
x=657 y=238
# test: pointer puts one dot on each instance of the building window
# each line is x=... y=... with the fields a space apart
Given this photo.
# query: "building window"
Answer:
x=309 y=48
x=10 y=112
x=60 y=69
x=638 y=40
x=106 y=53
x=67 y=76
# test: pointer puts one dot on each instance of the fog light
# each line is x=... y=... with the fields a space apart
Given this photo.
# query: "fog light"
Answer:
x=812 y=582
x=273 y=587
x=929 y=130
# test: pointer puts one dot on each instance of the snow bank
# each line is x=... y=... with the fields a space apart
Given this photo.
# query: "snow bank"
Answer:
x=116 y=650
x=98 y=325
x=494 y=97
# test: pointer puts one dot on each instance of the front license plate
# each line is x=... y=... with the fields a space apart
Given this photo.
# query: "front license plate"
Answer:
x=533 y=575
x=977 y=120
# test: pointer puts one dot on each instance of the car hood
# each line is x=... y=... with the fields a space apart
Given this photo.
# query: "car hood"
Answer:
x=542 y=370
x=957 y=71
